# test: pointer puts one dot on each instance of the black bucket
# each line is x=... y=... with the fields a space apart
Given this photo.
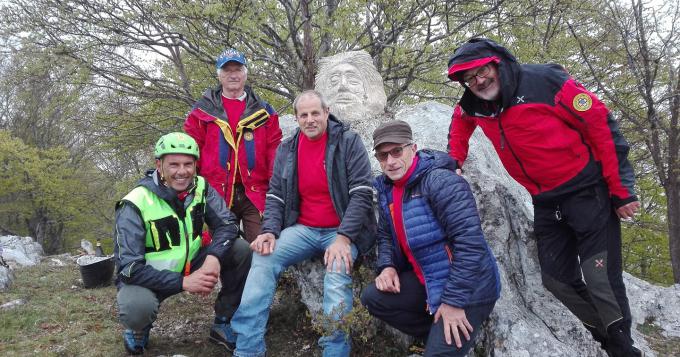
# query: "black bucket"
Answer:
x=96 y=274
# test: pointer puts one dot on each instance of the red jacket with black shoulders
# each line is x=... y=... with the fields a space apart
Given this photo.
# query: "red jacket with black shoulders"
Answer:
x=552 y=135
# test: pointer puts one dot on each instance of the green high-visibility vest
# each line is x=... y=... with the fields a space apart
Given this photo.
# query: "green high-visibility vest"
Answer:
x=171 y=242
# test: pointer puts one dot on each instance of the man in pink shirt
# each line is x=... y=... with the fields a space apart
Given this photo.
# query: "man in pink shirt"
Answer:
x=319 y=203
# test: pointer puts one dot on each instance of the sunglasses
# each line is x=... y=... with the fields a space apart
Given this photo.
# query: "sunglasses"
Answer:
x=396 y=152
x=482 y=72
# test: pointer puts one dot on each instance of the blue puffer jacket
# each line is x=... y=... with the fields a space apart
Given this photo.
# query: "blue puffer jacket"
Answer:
x=444 y=233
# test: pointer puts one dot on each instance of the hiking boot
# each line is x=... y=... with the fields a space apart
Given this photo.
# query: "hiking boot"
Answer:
x=136 y=341
x=222 y=334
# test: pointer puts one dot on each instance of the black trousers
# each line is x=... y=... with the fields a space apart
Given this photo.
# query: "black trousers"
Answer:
x=138 y=306
x=407 y=312
x=234 y=268
x=579 y=251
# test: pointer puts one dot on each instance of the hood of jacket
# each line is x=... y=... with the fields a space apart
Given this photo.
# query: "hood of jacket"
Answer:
x=480 y=51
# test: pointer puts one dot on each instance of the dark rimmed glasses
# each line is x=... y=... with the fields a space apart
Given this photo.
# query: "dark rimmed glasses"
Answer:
x=482 y=72
x=396 y=152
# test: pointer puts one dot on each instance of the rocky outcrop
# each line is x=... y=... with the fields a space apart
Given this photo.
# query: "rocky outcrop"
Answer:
x=16 y=252
x=20 y=251
x=527 y=320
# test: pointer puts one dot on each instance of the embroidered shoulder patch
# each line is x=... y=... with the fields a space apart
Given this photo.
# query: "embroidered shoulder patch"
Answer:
x=582 y=102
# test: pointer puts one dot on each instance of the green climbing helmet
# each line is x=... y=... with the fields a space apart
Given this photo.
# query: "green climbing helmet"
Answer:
x=176 y=143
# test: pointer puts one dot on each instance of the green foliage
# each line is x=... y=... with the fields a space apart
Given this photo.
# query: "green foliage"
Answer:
x=104 y=79
x=645 y=240
x=45 y=195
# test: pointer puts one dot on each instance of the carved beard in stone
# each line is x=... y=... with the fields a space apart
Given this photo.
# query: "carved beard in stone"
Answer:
x=347 y=93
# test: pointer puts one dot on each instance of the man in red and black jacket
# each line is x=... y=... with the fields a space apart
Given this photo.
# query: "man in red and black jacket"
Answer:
x=561 y=143
x=238 y=134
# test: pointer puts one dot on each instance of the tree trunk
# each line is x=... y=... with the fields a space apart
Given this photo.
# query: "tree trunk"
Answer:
x=308 y=62
x=673 y=206
x=46 y=231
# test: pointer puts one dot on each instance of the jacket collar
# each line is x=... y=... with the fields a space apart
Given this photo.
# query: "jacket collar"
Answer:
x=335 y=128
x=211 y=102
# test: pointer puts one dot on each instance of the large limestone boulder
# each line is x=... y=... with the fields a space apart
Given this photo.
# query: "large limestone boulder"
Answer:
x=527 y=320
x=16 y=252
x=20 y=251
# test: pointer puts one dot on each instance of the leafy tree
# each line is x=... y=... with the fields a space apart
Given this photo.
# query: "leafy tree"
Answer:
x=640 y=75
x=41 y=194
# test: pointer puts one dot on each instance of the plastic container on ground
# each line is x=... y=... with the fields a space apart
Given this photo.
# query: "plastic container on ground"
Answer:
x=96 y=271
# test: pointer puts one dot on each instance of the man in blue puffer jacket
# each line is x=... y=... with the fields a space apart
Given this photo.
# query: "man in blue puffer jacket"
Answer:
x=438 y=279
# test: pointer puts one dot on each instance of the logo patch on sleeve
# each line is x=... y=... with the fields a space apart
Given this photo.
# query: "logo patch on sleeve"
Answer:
x=582 y=102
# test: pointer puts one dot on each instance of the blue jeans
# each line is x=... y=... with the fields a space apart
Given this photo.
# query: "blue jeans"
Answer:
x=295 y=244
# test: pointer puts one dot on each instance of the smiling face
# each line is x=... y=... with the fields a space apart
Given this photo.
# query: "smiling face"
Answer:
x=488 y=86
x=233 y=77
x=399 y=159
x=311 y=116
x=177 y=170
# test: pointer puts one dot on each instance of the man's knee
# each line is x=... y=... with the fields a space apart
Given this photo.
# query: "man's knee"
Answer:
x=137 y=307
x=239 y=254
x=369 y=297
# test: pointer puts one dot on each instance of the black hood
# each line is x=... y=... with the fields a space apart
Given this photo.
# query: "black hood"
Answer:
x=508 y=68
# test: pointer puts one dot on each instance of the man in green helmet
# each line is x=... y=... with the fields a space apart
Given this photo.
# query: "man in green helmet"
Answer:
x=158 y=247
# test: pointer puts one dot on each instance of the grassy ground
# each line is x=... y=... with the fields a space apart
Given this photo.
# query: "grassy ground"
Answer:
x=61 y=318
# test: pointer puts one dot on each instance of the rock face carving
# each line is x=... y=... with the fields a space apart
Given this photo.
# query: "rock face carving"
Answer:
x=527 y=320
x=352 y=86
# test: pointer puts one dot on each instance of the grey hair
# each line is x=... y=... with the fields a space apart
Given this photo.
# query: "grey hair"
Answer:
x=245 y=69
x=309 y=93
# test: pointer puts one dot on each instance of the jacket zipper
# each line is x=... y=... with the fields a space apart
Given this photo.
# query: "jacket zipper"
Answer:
x=230 y=201
x=505 y=142
x=403 y=224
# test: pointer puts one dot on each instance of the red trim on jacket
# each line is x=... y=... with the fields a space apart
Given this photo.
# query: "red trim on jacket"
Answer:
x=396 y=209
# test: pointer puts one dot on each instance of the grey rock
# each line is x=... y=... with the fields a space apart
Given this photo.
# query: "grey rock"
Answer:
x=20 y=251
x=527 y=319
x=87 y=246
x=6 y=277
x=12 y=304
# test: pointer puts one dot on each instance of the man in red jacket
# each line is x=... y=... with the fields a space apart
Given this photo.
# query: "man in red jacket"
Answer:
x=238 y=134
x=561 y=143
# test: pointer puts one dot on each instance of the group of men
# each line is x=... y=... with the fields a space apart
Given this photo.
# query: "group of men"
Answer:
x=312 y=195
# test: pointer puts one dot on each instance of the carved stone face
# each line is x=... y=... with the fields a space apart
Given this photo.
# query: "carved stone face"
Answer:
x=351 y=85
x=346 y=86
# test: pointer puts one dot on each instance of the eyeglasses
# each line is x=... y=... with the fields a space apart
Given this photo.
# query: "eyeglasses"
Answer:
x=396 y=152
x=482 y=72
